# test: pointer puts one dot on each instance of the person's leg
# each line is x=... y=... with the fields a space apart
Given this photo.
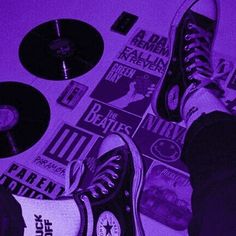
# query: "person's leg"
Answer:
x=191 y=39
x=188 y=93
x=209 y=152
x=102 y=196
x=11 y=220
x=54 y=217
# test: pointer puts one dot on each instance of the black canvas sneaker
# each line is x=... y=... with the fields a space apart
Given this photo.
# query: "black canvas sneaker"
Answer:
x=109 y=203
x=191 y=39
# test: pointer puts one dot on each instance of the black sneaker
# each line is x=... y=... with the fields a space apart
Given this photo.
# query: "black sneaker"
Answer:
x=108 y=204
x=191 y=39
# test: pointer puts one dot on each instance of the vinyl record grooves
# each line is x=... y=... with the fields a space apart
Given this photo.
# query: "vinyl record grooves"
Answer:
x=24 y=117
x=61 y=49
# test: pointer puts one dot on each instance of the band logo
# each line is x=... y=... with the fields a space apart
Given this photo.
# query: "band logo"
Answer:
x=161 y=140
x=102 y=119
x=68 y=144
x=146 y=51
x=129 y=89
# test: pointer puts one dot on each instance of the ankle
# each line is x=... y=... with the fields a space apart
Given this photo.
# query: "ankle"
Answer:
x=202 y=101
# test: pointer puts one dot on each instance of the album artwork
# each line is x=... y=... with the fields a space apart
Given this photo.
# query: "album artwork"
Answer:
x=161 y=140
x=146 y=51
x=166 y=196
x=129 y=89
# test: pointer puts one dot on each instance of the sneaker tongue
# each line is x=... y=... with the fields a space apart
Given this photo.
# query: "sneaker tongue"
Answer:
x=92 y=163
x=205 y=8
x=109 y=143
x=202 y=21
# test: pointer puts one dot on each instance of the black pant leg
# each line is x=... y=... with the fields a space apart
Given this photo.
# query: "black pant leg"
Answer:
x=210 y=154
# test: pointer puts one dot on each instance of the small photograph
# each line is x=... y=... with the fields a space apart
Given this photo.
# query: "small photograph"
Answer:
x=166 y=197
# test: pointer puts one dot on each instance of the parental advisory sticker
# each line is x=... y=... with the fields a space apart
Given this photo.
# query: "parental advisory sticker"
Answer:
x=22 y=181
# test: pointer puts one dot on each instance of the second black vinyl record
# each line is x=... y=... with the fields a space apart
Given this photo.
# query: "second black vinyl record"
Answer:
x=24 y=117
x=61 y=49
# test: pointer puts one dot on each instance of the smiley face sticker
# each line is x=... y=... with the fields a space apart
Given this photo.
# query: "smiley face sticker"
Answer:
x=166 y=150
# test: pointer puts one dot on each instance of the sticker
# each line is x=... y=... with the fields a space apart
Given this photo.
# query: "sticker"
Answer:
x=68 y=144
x=146 y=51
x=23 y=181
x=50 y=165
x=166 y=197
x=166 y=150
x=161 y=140
x=72 y=94
x=102 y=119
x=108 y=225
x=129 y=89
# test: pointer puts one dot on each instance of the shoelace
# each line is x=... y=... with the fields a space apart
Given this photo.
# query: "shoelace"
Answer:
x=199 y=48
x=201 y=68
x=104 y=174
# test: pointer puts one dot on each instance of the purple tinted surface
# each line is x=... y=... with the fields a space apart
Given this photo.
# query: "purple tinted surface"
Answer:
x=155 y=16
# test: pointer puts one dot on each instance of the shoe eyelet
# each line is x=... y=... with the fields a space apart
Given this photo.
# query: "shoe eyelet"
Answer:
x=127 y=209
x=95 y=195
x=117 y=167
x=126 y=193
x=190 y=26
x=110 y=184
x=188 y=68
x=118 y=158
x=105 y=191
x=115 y=176
x=187 y=37
x=186 y=48
x=186 y=59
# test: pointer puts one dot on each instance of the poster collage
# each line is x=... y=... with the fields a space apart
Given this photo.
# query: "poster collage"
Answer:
x=130 y=79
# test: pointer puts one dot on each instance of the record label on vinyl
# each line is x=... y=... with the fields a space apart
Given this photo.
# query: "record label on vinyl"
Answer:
x=24 y=117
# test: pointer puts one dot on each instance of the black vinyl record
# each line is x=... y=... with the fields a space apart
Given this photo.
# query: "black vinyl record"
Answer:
x=61 y=49
x=24 y=117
